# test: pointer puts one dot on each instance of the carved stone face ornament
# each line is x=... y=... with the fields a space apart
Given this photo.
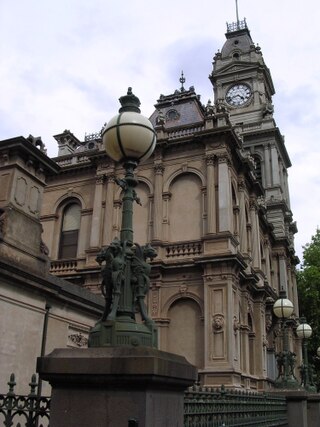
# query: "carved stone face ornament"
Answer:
x=217 y=323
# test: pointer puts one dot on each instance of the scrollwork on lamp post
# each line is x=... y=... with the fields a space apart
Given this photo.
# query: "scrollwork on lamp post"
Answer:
x=304 y=331
x=283 y=308
x=128 y=138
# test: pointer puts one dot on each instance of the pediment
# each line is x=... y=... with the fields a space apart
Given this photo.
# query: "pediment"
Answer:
x=236 y=67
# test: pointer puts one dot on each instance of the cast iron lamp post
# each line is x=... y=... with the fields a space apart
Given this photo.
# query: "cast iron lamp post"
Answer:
x=129 y=138
x=304 y=331
x=283 y=308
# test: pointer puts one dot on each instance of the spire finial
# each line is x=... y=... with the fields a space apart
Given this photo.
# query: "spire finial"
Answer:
x=182 y=80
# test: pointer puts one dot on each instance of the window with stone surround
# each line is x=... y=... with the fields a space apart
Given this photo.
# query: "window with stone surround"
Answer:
x=70 y=231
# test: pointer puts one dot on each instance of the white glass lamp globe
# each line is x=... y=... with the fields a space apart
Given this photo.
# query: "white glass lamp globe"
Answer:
x=318 y=351
x=304 y=330
x=283 y=308
x=129 y=136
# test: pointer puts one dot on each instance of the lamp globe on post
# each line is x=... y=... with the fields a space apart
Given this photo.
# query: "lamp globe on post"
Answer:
x=283 y=309
x=304 y=331
x=129 y=138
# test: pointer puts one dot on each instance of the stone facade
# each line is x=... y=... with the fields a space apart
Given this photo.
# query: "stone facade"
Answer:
x=214 y=204
x=39 y=312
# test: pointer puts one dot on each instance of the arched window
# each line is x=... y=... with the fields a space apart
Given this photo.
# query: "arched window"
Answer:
x=185 y=315
x=70 y=231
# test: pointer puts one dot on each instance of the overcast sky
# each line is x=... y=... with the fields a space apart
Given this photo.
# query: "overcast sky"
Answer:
x=65 y=63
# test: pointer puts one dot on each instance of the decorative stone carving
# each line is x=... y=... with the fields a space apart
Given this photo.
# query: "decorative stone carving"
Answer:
x=158 y=168
x=236 y=324
x=100 y=179
x=268 y=322
x=241 y=184
x=37 y=142
x=44 y=248
x=217 y=323
x=183 y=289
x=160 y=119
x=155 y=302
x=78 y=339
x=211 y=159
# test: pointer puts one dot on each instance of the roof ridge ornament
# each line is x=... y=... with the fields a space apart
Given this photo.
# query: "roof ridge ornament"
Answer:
x=182 y=80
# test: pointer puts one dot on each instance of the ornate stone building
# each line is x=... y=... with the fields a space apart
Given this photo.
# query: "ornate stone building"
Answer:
x=215 y=205
x=38 y=311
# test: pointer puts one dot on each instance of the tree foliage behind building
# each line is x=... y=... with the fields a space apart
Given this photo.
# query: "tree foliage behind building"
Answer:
x=308 y=279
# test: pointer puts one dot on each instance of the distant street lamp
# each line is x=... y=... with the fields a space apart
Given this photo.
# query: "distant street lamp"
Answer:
x=128 y=138
x=283 y=308
x=304 y=331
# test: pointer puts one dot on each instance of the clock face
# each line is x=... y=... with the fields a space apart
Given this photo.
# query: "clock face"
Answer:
x=238 y=94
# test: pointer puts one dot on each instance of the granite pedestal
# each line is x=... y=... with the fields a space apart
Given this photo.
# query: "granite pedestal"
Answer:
x=105 y=387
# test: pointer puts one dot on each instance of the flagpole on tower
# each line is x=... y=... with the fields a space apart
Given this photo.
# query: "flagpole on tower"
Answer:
x=237 y=12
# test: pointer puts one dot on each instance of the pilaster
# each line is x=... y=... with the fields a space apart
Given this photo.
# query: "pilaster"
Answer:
x=108 y=213
x=224 y=194
x=211 y=194
x=157 y=223
x=95 y=236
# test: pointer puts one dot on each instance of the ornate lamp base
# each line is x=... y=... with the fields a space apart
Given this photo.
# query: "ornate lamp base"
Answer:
x=287 y=384
x=126 y=332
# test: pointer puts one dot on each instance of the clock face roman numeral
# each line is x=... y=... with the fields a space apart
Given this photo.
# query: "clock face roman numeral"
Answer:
x=238 y=94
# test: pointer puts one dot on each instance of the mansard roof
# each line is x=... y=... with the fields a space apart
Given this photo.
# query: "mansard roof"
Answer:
x=182 y=108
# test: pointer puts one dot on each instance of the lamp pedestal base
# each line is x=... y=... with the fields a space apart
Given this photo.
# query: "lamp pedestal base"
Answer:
x=109 y=386
x=126 y=332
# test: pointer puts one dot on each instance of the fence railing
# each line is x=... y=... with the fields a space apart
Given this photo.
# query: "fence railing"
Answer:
x=30 y=411
x=207 y=407
x=203 y=407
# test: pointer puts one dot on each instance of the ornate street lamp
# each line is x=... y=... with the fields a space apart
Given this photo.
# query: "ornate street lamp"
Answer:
x=304 y=331
x=128 y=138
x=283 y=308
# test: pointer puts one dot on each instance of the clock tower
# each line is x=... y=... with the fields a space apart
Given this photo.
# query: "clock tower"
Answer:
x=242 y=83
x=241 y=79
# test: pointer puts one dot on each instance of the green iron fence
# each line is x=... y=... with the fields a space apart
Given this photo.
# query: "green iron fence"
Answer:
x=206 y=407
x=203 y=407
x=24 y=411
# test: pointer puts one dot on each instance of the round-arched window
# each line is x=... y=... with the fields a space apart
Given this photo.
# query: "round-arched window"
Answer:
x=70 y=231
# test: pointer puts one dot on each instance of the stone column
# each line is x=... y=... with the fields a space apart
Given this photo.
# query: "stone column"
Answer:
x=108 y=213
x=165 y=221
x=275 y=166
x=267 y=165
x=108 y=386
x=211 y=195
x=224 y=192
x=95 y=237
x=267 y=258
x=242 y=219
x=256 y=258
x=283 y=278
x=157 y=215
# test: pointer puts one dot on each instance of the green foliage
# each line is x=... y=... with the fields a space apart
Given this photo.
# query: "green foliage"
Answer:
x=308 y=281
